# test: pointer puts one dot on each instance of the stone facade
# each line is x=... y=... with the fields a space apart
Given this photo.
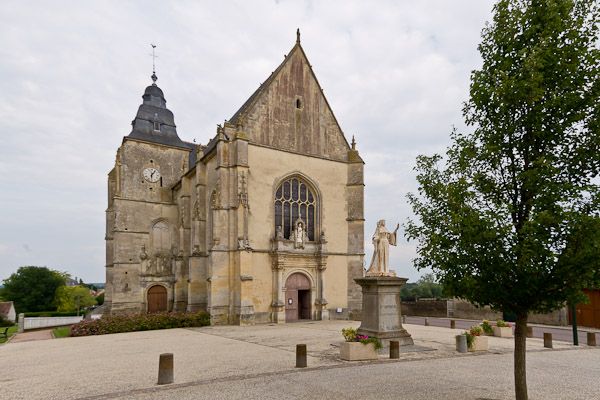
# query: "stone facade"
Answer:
x=214 y=227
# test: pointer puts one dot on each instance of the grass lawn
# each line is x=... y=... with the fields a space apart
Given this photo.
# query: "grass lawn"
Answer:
x=61 y=331
x=11 y=331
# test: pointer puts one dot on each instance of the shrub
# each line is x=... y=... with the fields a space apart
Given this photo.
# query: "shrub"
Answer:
x=487 y=327
x=4 y=322
x=351 y=335
x=139 y=322
x=502 y=324
x=475 y=330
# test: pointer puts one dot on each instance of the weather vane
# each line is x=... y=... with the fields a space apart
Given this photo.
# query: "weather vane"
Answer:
x=154 y=57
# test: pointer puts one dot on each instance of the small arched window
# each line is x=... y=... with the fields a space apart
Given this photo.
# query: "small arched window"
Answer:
x=295 y=199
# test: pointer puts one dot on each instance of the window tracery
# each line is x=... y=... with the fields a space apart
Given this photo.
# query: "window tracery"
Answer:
x=295 y=199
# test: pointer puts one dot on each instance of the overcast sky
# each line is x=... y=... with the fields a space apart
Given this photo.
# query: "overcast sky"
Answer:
x=396 y=74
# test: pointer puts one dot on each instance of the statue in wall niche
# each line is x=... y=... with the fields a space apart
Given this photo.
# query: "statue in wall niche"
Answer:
x=299 y=234
x=144 y=259
x=279 y=232
x=382 y=239
x=322 y=238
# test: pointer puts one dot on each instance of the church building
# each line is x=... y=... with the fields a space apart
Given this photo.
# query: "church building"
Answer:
x=262 y=224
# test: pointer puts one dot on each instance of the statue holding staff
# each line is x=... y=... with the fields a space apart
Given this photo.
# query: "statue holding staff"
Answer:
x=382 y=239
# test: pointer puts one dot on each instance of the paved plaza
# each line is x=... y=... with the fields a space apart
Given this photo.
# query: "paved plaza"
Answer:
x=229 y=362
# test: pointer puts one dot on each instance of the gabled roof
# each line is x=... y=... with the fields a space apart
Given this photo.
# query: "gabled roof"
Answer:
x=265 y=85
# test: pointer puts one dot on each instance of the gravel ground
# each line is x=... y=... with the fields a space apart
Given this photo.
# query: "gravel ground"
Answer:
x=258 y=362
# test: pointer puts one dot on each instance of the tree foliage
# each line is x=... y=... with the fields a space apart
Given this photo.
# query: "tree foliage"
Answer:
x=73 y=298
x=425 y=287
x=32 y=288
x=510 y=217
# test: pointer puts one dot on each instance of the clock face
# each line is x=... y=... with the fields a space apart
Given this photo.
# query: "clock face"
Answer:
x=151 y=175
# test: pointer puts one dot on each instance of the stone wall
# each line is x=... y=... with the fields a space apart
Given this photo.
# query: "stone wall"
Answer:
x=425 y=308
x=461 y=309
x=465 y=310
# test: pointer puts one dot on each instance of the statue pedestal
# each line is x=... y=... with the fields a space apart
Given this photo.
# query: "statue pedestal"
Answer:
x=381 y=309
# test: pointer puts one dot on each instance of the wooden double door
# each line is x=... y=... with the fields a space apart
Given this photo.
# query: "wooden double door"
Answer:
x=297 y=298
x=157 y=299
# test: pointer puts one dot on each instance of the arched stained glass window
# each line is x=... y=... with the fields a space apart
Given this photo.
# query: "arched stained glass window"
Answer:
x=294 y=199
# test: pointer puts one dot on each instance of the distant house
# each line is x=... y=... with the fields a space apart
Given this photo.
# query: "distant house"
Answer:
x=7 y=311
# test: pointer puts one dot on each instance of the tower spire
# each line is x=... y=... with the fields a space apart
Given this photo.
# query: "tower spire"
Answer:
x=298 y=36
x=154 y=56
x=353 y=143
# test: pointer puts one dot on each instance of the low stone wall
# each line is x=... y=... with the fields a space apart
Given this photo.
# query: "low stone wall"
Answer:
x=48 y=322
x=461 y=309
x=425 y=308
x=558 y=317
x=465 y=310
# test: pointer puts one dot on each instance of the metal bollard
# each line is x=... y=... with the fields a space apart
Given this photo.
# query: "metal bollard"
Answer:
x=547 y=340
x=300 y=356
x=165 y=369
x=394 y=349
x=529 y=333
x=426 y=322
x=452 y=324
x=591 y=339
x=461 y=343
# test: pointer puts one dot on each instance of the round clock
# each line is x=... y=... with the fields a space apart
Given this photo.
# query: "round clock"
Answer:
x=151 y=175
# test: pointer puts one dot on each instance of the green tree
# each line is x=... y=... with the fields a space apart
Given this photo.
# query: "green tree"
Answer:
x=73 y=298
x=32 y=288
x=100 y=299
x=426 y=287
x=509 y=218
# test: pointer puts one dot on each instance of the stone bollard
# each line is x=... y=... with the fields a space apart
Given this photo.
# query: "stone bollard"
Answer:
x=165 y=369
x=547 y=340
x=426 y=322
x=461 y=343
x=394 y=349
x=529 y=331
x=452 y=324
x=21 y=328
x=591 y=339
x=300 y=356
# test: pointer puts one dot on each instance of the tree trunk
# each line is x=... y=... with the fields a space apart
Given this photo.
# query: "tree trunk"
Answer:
x=520 y=363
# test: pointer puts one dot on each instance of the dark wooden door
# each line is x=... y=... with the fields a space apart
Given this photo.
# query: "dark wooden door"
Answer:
x=589 y=314
x=295 y=284
x=157 y=299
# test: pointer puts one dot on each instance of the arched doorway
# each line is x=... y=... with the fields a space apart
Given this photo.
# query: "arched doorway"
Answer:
x=297 y=297
x=157 y=299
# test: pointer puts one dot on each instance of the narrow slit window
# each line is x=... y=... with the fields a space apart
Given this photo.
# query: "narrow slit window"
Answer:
x=298 y=104
x=156 y=126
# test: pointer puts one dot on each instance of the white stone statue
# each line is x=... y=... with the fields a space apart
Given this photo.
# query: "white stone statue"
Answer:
x=299 y=234
x=382 y=239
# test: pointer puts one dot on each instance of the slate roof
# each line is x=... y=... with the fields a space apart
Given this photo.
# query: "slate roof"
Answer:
x=154 y=109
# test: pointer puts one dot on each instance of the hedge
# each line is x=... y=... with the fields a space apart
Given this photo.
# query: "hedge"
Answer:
x=139 y=322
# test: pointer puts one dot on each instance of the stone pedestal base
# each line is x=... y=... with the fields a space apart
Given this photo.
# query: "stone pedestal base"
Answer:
x=381 y=312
